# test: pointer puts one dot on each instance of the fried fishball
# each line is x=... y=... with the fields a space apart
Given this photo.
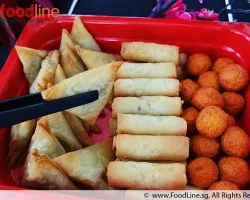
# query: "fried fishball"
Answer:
x=233 y=77
x=233 y=102
x=211 y=122
x=223 y=185
x=235 y=170
x=198 y=63
x=190 y=115
x=205 y=97
x=209 y=79
x=201 y=146
x=235 y=142
x=221 y=63
x=188 y=89
x=202 y=172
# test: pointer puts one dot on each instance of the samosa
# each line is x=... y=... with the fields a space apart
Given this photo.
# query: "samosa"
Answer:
x=59 y=75
x=42 y=173
x=31 y=60
x=66 y=40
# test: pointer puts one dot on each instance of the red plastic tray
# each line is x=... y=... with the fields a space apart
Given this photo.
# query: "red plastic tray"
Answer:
x=214 y=38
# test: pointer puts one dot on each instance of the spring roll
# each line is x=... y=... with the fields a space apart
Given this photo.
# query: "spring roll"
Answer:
x=147 y=87
x=93 y=59
x=151 y=125
x=147 y=105
x=60 y=128
x=78 y=129
x=150 y=52
x=20 y=139
x=143 y=175
x=42 y=173
x=151 y=148
x=87 y=166
x=147 y=70
x=31 y=60
x=112 y=127
x=44 y=141
x=59 y=75
x=67 y=40
x=70 y=62
x=100 y=79
x=82 y=37
x=47 y=73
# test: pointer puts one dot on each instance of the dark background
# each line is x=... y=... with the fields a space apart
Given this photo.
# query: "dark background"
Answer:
x=140 y=8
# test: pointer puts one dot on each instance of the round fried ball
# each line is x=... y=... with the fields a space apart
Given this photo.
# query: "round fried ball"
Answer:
x=235 y=170
x=223 y=185
x=230 y=121
x=221 y=63
x=198 y=63
x=233 y=102
x=233 y=77
x=201 y=146
x=202 y=172
x=205 y=97
x=209 y=79
x=188 y=89
x=235 y=142
x=190 y=115
x=211 y=122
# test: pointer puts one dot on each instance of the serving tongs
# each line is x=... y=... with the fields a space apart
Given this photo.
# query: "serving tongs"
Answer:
x=21 y=109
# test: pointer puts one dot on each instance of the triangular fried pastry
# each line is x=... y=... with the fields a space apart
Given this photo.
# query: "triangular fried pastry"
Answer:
x=59 y=75
x=66 y=40
x=31 y=60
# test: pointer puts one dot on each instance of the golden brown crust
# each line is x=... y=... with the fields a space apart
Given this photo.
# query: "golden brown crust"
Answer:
x=209 y=79
x=205 y=97
x=234 y=78
x=235 y=170
x=202 y=172
x=220 y=63
x=233 y=102
x=198 y=63
x=188 y=89
x=211 y=122
x=190 y=115
x=223 y=185
x=235 y=142
x=201 y=146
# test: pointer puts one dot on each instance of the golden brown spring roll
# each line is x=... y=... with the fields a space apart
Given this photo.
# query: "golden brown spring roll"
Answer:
x=67 y=40
x=78 y=129
x=31 y=60
x=42 y=173
x=59 y=75
x=19 y=142
x=151 y=148
x=147 y=105
x=70 y=62
x=147 y=87
x=100 y=79
x=44 y=141
x=87 y=166
x=147 y=70
x=112 y=127
x=82 y=37
x=61 y=129
x=150 y=52
x=93 y=59
x=47 y=73
x=151 y=125
x=143 y=175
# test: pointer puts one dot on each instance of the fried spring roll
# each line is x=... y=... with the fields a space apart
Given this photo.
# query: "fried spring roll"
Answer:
x=147 y=105
x=150 y=52
x=151 y=148
x=143 y=175
x=112 y=127
x=147 y=87
x=151 y=125
x=147 y=70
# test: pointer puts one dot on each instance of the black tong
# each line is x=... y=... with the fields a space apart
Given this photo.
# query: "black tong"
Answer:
x=17 y=110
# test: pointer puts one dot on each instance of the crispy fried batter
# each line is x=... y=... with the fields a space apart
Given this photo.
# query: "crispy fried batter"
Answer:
x=198 y=63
